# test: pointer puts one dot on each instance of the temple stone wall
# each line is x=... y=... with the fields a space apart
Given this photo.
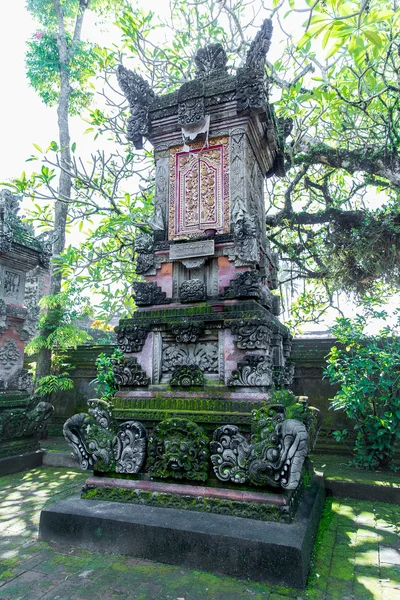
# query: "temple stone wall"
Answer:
x=308 y=353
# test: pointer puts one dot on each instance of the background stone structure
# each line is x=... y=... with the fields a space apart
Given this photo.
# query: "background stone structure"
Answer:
x=24 y=279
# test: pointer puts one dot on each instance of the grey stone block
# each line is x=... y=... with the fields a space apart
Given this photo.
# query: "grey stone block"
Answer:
x=60 y=459
x=20 y=462
x=276 y=553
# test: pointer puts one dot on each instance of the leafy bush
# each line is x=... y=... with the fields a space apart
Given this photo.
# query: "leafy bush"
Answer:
x=59 y=331
x=367 y=367
x=104 y=383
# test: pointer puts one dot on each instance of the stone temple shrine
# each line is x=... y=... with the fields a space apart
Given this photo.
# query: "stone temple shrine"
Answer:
x=24 y=278
x=193 y=463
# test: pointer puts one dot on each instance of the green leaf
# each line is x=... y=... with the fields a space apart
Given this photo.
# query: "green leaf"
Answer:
x=38 y=148
x=373 y=37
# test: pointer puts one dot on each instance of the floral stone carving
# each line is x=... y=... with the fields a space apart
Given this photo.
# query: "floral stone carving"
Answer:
x=127 y=371
x=131 y=338
x=192 y=290
x=148 y=293
x=251 y=334
x=187 y=332
x=249 y=285
x=203 y=355
x=99 y=443
x=178 y=448
x=187 y=375
x=255 y=369
x=274 y=457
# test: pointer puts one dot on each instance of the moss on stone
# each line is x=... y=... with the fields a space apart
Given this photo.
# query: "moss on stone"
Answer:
x=220 y=506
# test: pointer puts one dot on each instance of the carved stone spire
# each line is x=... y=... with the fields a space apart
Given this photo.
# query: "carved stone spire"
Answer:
x=139 y=95
x=255 y=59
x=211 y=61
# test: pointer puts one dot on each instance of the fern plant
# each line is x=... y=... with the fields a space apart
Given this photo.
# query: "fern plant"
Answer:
x=59 y=316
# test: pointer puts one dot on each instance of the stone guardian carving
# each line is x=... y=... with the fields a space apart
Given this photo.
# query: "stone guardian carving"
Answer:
x=178 y=448
x=276 y=460
x=98 y=442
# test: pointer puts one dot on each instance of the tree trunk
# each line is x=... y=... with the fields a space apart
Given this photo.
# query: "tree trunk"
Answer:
x=43 y=364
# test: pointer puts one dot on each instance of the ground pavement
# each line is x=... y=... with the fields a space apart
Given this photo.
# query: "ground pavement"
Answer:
x=357 y=555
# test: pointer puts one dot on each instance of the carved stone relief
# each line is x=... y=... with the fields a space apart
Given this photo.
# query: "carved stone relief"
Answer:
x=178 y=448
x=237 y=141
x=277 y=460
x=251 y=334
x=97 y=441
x=191 y=103
x=131 y=338
x=148 y=293
x=10 y=358
x=161 y=198
x=249 y=285
x=254 y=370
x=192 y=290
x=130 y=447
x=202 y=355
x=19 y=423
x=187 y=332
x=145 y=260
x=127 y=372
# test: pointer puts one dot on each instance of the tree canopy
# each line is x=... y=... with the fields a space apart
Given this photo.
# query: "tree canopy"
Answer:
x=334 y=84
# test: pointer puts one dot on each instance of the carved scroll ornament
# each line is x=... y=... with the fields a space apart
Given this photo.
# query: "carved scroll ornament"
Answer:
x=276 y=461
x=254 y=370
x=98 y=442
x=131 y=338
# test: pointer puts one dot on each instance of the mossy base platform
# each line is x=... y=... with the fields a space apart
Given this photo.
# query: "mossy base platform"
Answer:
x=271 y=552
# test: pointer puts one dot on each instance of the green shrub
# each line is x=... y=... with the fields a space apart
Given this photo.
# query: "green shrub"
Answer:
x=367 y=367
x=105 y=384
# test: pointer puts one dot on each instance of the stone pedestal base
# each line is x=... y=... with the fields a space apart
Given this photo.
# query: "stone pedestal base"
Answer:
x=277 y=553
x=20 y=462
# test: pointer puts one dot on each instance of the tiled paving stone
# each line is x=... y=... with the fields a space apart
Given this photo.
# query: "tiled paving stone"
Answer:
x=357 y=555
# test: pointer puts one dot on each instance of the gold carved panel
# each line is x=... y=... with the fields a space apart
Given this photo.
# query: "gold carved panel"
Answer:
x=199 y=189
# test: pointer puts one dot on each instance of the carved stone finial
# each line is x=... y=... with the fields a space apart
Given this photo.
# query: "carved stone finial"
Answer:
x=251 y=92
x=211 y=61
x=255 y=59
x=139 y=95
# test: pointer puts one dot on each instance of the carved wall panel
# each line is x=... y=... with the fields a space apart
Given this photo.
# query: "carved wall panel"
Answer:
x=237 y=140
x=199 y=189
x=202 y=355
x=12 y=285
x=10 y=360
x=162 y=188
